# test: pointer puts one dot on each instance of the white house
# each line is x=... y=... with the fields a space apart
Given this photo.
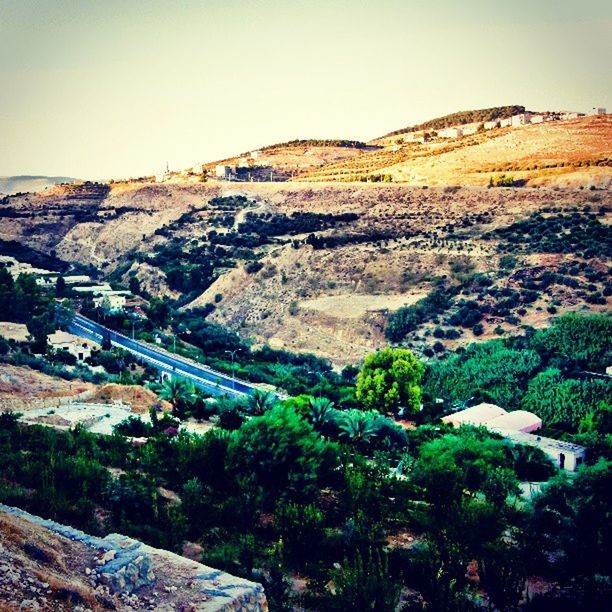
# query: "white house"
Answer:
x=507 y=122
x=75 y=345
x=451 y=132
x=468 y=130
x=93 y=288
x=489 y=125
x=517 y=426
x=520 y=119
x=222 y=171
x=537 y=119
x=566 y=455
x=110 y=300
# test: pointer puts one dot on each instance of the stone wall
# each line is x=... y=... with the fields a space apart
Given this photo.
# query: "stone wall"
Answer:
x=125 y=565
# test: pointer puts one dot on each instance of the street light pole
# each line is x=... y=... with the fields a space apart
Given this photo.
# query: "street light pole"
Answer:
x=233 y=354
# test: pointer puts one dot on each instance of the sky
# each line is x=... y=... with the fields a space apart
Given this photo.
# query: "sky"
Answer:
x=99 y=89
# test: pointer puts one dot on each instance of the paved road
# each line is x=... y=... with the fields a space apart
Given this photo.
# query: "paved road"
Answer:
x=207 y=379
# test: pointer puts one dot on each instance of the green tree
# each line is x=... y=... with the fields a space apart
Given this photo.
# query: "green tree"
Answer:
x=389 y=380
x=358 y=427
x=557 y=400
x=178 y=392
x=279 y=455
x=577 y=341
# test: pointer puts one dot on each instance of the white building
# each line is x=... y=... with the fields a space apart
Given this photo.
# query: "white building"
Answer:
x=75 y=345
x=93 y=288
x=517 y=426
x=520 y=119
x=222 y=171
x=111 y=301
x=451 y=132
x=77 y=278
x=489 y=125
x=468 y=130
x=566 y=456
x=537 y=119
x=600 y=111
x=507 y=122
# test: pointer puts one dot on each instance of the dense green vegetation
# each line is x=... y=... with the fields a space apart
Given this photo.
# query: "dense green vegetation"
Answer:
x=579 y=233
x=462 y=117
x=327 y=484
x=311 y=142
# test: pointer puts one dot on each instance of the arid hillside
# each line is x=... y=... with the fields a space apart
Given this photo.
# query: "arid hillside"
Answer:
x=565 y=153
x=323 y=267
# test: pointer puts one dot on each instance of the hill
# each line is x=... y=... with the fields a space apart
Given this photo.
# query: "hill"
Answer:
x=574 y=152
x=462 y=118
x=322 y=267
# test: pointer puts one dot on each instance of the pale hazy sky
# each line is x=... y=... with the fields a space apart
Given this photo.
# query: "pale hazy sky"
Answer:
x=106 y=88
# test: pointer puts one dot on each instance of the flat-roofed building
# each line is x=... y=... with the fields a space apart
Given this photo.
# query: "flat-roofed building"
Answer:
x=566 y=455
x=75 y=345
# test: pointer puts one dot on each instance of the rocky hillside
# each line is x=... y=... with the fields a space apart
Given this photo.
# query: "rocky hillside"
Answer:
x=51 y=567
x=323 y=267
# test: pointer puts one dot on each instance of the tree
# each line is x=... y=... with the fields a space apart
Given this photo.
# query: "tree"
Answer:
x=358 y=426
x=565 y=401
x=389 y=380
x=260 y=401
x=179 y=393
x=321 y=409
x=60 y=287
x=279 y=455
x=577 y=341
x=571 y=521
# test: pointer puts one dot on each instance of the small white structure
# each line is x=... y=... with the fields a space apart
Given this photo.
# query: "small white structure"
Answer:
x=520 y=119
x=222 y=171
x=93 y=288
x=75 y=345
x=599 y=111
x=111 y=301
x=77 y=278
x=566 y=455
x=537 y=119
x=490 y=125
x=255 y=154
x=451 y=132
x=570 y=115
x=507 y=122
x=46 y=281
x=468 y=130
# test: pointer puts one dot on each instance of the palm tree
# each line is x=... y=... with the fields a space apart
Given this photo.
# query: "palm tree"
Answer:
x=260 y=402
x=179 y=393
x=320 y=411
x=359 y=426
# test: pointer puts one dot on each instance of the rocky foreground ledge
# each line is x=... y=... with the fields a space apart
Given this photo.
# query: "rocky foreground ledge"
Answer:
x=48 y=566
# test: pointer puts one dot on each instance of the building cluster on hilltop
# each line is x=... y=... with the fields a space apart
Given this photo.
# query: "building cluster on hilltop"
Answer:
x=518 y=120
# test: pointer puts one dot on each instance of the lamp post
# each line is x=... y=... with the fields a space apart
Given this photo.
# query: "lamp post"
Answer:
x=233 y=354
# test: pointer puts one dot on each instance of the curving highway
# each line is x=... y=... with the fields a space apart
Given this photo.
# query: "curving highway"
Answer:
x=203 y=377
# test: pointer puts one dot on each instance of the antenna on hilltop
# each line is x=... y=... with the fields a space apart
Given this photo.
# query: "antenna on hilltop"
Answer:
x=167 y=168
